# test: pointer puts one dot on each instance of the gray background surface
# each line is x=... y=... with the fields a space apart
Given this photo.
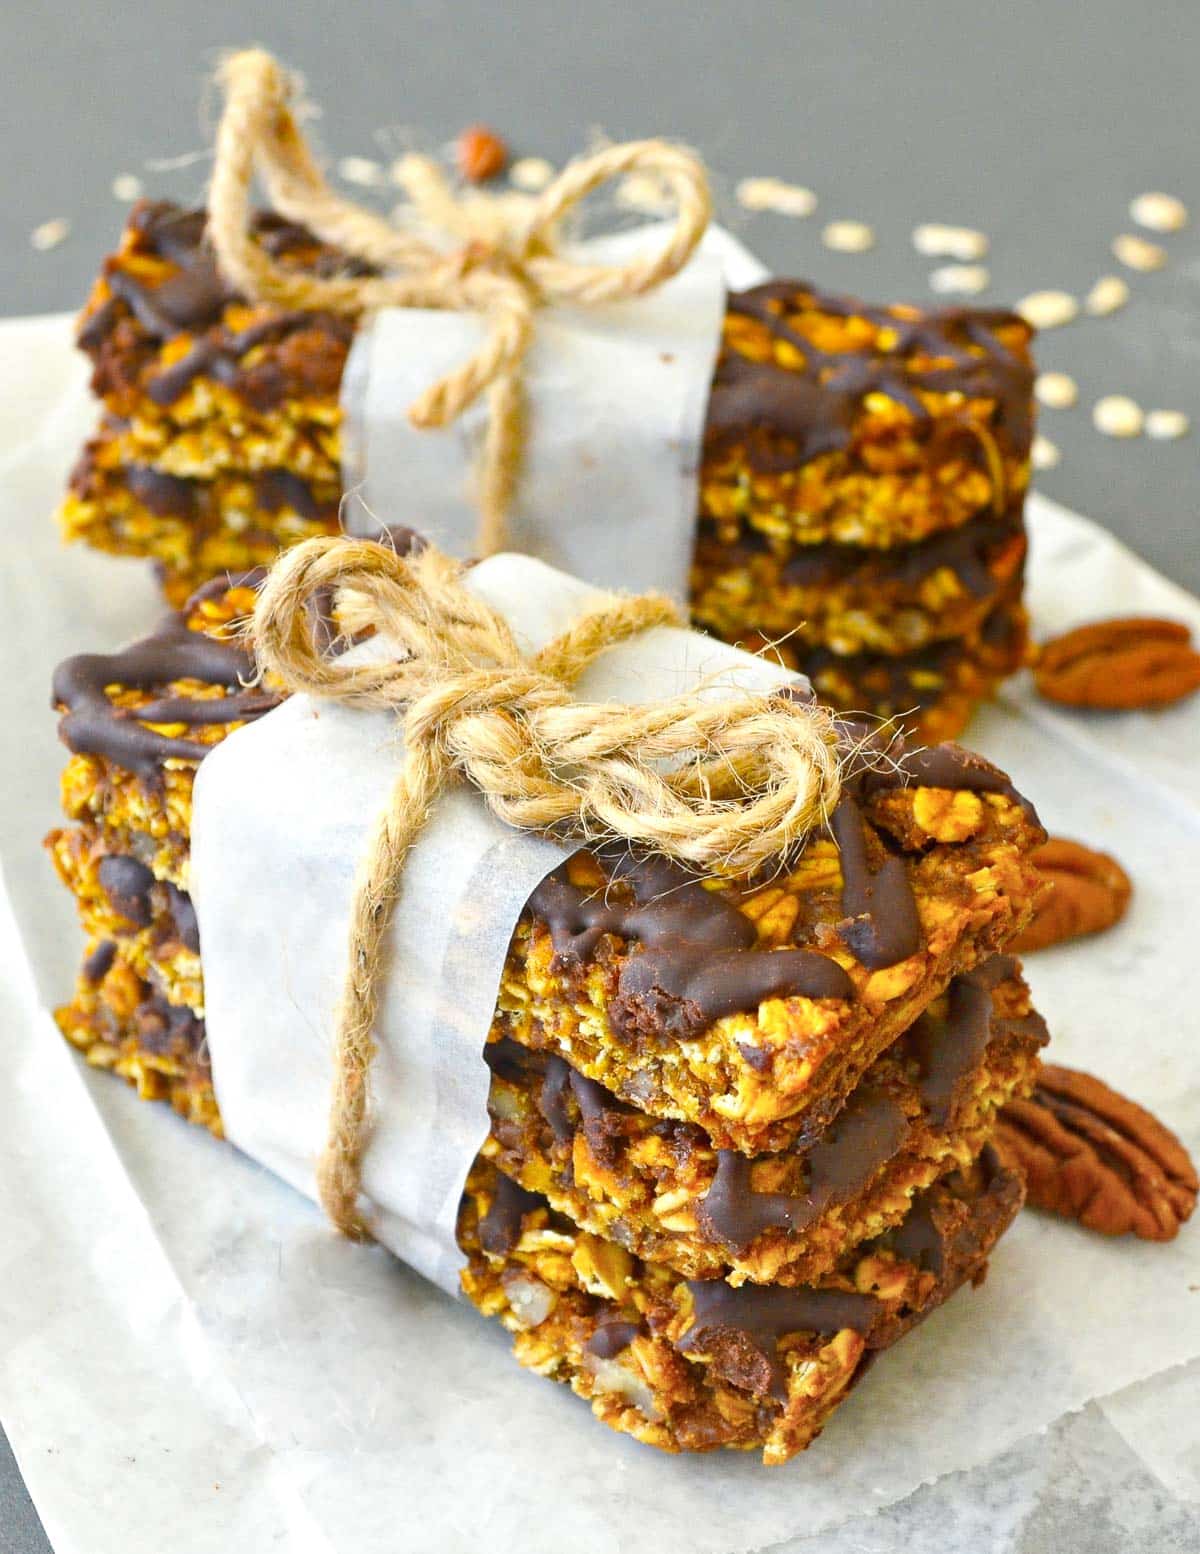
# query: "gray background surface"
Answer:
x=1036 y=121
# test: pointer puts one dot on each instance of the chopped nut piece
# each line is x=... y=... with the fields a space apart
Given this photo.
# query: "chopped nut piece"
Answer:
x=848 y=237
x=1116 y=415
x=360 y=170
x=1048 y=309
x=480 y=153
x=50 y=234
x=1138 y=253
x=939 y=242
x=1159 y=212
x=1094 y=1156
x=1056 y=389
x=1166 y=424
x=965 y=279
x=531 y=173
x=1119 y=664
x=1108 y=294
x=127 y=186
x=1044 y=454
x=1086 y=891
x=773 y=194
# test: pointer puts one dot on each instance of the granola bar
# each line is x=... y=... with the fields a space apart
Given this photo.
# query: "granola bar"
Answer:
x=925 y=1106
x=861 y=486
x=693 y=1365
x=750 y=1007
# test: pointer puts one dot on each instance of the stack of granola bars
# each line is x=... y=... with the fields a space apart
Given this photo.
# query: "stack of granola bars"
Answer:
x=740 y=1127
x=861 y=488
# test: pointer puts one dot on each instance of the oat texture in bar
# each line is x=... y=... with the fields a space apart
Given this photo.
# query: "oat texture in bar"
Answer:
x=861 y=488
x=739 y=1128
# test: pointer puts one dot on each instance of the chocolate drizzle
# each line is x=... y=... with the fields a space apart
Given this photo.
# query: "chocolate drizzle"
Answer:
x=612 y=1334
x=500 y=1227
x=92 y=725
x=697 y=960
x=948 y=1048
x=193 y=300
x=744 y=1326
x=100 y=962
x=789 y=415
x=883 y=927
x=864 y=1136
x=127 y=883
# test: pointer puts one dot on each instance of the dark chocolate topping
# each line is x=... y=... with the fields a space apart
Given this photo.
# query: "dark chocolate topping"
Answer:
x=758 y=1316
x=697 y=961
x=183 y=916
x=789 y=415
x=278 y=488
x=168 y=496
x=99 y=963
x=612 y=1334
x=883 y=927
x=500 y=1227
x=948 y=1048
x=864 y=1136
x=94 y=726
x=127 y=884
x=193 y=301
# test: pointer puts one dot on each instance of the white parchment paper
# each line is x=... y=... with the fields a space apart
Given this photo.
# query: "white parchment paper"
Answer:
x=189 y=1360
x=283 y=811
x=616 y=399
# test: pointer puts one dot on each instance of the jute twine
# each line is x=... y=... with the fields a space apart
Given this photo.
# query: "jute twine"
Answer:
x=727 y=780
x=505 y=263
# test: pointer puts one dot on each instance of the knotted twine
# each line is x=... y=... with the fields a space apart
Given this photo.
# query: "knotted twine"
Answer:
x=715 y=781
x=505 y=266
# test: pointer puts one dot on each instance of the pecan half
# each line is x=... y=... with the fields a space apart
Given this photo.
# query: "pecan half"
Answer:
x=1096 y=1157
x=480 y=153
x=1136 y=661
x=1084 y=892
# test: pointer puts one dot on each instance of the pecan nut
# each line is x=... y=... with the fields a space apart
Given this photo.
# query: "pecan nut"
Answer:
x=1094 y=1156
x=1083 y=892
x=1136 y=661
x=480 y=153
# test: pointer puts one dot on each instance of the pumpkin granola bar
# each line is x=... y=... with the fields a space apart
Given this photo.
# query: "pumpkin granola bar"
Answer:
x=693 y=1365
x=750 y=1007
x=862 y=477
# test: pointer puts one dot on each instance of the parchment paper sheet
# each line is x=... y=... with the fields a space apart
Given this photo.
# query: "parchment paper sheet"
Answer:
x=191 y=1361
x=283 y=811
x=630 y=376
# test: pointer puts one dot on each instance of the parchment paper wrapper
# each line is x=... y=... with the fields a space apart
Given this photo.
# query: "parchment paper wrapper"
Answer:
x=282 y=813
x=190 y=1360
x=616 y=400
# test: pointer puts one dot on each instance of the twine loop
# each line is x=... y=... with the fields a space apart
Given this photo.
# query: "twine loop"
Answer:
x=718 y=779
x=506 y=264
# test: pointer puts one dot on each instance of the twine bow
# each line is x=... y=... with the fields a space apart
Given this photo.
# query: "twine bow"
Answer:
x=730 y=780
x=505 y=265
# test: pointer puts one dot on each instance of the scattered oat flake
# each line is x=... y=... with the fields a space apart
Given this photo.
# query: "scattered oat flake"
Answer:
x=644 y=192
x=1048 y=309
x=50 y=234
x=1164 y=425
x=1108 y=294
x=1116 y=415
x=963 y=279
x=940 y=242
x=127 y=186
x=1044 y=454
x=1138 y=252
x=848 y=237
x=361 y=170
x=531 y=173
x=1159 y=212
x=774 y=194
x=1057 y=390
